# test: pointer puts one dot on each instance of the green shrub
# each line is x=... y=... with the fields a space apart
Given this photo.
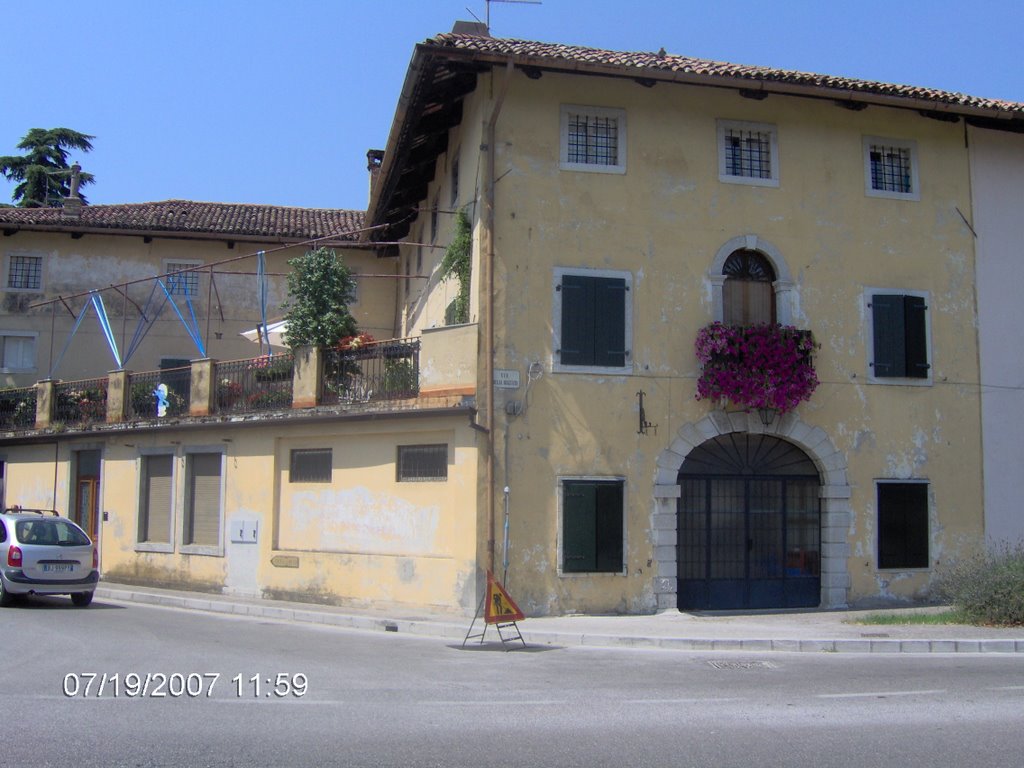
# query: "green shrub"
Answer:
x=987 y=586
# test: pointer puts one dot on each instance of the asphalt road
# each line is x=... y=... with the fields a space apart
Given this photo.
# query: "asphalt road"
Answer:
x=121 y=684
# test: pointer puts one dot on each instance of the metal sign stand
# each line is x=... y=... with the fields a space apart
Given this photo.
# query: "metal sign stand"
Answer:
x=500 y=610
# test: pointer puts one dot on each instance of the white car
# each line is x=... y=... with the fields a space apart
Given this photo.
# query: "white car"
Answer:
x=42 y=553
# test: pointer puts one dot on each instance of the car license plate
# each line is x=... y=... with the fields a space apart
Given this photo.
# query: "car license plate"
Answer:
x=58 y=567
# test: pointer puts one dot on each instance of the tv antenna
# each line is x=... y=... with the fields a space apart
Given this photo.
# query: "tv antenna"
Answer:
x=487 y=3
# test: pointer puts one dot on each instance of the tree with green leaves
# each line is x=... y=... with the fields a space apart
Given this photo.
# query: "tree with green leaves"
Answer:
x=42 y=173
x=458 y=263
x=320 y=288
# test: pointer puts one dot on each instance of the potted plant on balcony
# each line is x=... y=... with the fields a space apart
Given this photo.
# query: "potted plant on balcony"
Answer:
x=767 y=366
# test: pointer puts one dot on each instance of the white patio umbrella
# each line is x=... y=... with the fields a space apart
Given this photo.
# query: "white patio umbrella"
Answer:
x=273 y=334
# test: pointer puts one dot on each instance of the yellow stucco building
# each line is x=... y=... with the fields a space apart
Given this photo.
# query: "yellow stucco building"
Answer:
x=622 y=208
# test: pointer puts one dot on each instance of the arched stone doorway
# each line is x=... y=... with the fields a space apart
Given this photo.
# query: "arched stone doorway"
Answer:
x=749 y=525
x=833 y=496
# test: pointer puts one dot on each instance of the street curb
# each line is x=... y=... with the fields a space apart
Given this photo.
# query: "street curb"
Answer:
x=450 y=631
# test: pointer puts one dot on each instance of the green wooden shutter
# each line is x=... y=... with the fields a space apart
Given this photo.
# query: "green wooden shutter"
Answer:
x=916 y=337
x=578 y=527
x=889 y=347
x=610 y=322
x=609 y=527
x=577 y=320
x=203 y=512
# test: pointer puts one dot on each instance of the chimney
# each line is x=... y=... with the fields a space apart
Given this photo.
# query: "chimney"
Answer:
x=374 y=158
x=473 y=28
x=72 y=208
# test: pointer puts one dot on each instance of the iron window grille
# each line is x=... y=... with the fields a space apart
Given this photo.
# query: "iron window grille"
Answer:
x=310 y=465
x=422 y=463
x=593 y=140
x=748 y=153
x=25 y=273
x=890 y=169
x=182 y=283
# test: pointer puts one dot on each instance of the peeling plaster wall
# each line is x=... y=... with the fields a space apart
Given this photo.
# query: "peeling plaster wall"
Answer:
x=997 y=183
x=97 y=261
x=665 y=220
x=363 y=539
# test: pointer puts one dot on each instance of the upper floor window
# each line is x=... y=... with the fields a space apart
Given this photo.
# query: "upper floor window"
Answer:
x=592 y=319
x=899 y=351
x=748 y=153
x=748 y=294
x=890 y=168
x=182 y=283
x=455 y=182
x=24 y=272
x=17 y=351
x=593 y=139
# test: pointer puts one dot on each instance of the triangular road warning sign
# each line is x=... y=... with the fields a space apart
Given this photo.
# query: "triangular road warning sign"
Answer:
x=500 y=608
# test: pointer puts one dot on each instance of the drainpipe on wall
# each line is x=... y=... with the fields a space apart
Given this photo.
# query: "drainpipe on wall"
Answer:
x=487 y=285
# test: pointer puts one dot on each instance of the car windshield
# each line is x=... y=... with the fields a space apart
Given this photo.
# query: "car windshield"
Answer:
x=48 y=531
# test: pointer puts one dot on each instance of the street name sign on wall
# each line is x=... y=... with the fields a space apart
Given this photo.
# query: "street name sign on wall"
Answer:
x=506 y=378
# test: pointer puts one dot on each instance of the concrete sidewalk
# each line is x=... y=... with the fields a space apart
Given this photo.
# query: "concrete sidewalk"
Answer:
x=814 y=631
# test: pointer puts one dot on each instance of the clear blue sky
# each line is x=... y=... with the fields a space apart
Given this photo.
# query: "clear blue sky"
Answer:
x=277 y=102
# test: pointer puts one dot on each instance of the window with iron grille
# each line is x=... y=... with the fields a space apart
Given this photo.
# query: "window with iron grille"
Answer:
x=422 y=463
x=593 y=139
x=25 y=273
x=890 y=168
x=310 y=465
x=182 y=283
x=747 y=153
x=903 y=525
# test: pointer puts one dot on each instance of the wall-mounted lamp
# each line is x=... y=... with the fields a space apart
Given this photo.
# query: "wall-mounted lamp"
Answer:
x=767 y=415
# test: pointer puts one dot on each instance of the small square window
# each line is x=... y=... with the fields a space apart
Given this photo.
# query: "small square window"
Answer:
x=592 y=526
x=310 y=465
x=182 y=283
x=593 y=139
x=903 y=525
x=422 y=463
x=25 y=273
x=748 y=153
x=18 y=352
x=890 y=168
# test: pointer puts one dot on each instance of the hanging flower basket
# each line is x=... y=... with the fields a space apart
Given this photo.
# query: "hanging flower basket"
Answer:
x=756 y=366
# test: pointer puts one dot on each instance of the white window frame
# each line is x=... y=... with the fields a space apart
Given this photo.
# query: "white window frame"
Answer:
x=11 y=255
x=4 y=335
x=556 y=321
x=869 y=342
x=722 y=127
x=560 y=543
x=619 y=115
x=157 y=546
x=911 y=146
x=179 y=288
x=200 y=549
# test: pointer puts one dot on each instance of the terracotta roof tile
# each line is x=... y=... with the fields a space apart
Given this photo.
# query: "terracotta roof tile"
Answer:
x=567 y=55
x=188 y=216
